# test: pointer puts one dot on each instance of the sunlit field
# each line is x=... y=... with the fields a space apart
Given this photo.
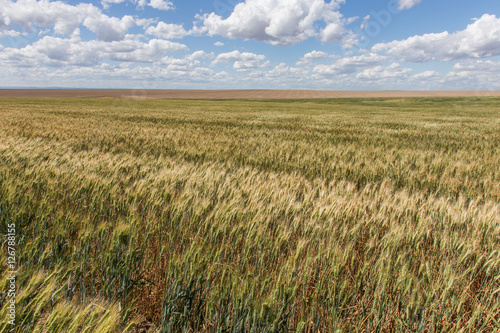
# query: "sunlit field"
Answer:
x=334 y=215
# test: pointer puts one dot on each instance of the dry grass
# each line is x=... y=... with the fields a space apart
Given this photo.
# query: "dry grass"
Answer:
x=367 y=215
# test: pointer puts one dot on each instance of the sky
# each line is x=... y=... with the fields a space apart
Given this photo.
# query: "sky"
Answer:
x=251 y=44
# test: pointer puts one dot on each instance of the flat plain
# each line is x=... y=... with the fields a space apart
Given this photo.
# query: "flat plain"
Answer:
x=235 y=93
x=314 y=215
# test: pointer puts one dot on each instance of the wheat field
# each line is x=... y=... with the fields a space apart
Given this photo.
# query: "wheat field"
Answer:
x=323 y=215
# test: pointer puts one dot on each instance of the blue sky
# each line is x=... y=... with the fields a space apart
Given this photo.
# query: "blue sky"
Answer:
x=251 y=44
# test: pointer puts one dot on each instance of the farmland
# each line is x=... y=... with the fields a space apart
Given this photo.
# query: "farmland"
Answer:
x=320 y=215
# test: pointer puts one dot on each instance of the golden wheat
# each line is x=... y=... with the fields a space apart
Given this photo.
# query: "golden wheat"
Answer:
x=254 y=216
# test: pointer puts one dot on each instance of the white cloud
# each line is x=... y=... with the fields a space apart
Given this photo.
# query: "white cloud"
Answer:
x=9 y=33
x=393 y=71
x=167 y=31
x=351 y=20
x=365 y=21
x=106 y=3
x=105 y=75
x=335 y=29
x=199 y=54
x=428 y=80
x=65 y=18
x=186 y=66
x=350 y=65
x=145 y=23
x=425 y=76
x=477 y=66
x=43 y=41
x=176 y=65
x=157 y=4
x=480 y=39
x=237 y=56
x=161 y=4
x=136 y=51
x=286 y=73
x=279 y=22
x=242 y=61
x=54 y=51
x=332 y=33
x=475 y=75
x=311 y=56
x=30 y=13
x=281 y=76
x=109 y=28
x=189 y=72
x=407 y=4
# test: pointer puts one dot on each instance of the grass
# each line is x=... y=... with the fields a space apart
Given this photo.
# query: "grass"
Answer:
x=349 y=215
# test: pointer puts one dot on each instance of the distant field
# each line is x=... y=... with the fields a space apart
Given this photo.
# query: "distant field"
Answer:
x=232 y=94
x=321 y=215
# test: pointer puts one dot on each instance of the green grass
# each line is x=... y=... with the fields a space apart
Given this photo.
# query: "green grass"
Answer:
x=348 y=215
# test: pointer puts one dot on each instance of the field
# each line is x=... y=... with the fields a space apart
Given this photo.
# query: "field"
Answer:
x=323 y=215
x=235 y=94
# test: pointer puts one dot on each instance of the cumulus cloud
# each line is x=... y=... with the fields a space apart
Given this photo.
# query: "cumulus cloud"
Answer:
x=350 y=65
x=335 y=29
x=107 y=3
x=480 y=39
x=64 y=18
x=407 y=4
x=393 y=71
x=176 y=65
x=158 y=76
x=137 y=51
x=157 y=4
x=475 y=75
x=242 y=61
x=184 y=65
x=109 y=28
x=311 y=56
x=55 y=51
x=42 y=37
x=167 y=31
x=479 y=74
x=279 y=22
x=9 y=33
x=286 y=73
x=161 y=4
x=425 y=76
x=477 y=66
x=199 y=55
